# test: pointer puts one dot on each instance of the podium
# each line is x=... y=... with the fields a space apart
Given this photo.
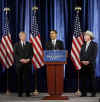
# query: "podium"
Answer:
x=55 y=61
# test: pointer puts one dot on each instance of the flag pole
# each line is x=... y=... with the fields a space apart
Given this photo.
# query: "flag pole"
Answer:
x=6 y=10
x=7 y=91
x=35 y=93
x=78 y=93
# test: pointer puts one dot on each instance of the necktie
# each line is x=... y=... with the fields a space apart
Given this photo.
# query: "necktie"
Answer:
x=23 y=44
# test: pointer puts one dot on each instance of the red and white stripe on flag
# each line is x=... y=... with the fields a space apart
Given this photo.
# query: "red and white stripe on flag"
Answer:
x=6 y=51
x=37 y=59
x=77 y=42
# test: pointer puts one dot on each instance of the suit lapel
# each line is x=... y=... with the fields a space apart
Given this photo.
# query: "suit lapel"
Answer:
x=84 y=47
x=51 y=45
x=20 y=45
x=56 y=45
x=26 y=44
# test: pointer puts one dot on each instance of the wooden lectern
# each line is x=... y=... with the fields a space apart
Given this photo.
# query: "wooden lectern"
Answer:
x=55 y=80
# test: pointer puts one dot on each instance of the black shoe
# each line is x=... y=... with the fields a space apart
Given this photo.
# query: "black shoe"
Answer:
x=19 y=95
x=83 y=95
x=28 y=95
x=93 y=95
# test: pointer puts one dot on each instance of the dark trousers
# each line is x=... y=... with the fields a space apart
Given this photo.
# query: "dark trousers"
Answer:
x=88 y=74
x=24 y=78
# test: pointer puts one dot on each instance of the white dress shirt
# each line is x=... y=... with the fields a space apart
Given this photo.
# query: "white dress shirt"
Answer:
x=87 y=45
x=54 y=42
x=22 y=43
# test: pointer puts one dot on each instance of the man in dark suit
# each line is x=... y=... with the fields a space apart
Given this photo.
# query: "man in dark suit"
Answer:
x=88 y=60
x=53 y=43
x=23 y=54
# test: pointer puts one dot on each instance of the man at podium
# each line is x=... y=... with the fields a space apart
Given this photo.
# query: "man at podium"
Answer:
x=53 y=43
x=55 y=70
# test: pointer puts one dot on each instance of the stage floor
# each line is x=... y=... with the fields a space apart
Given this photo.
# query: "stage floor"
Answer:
x=13 y=98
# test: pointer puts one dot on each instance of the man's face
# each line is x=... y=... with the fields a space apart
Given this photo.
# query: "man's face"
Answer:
x=23 y=36
x=53 y=35
x=87 y=38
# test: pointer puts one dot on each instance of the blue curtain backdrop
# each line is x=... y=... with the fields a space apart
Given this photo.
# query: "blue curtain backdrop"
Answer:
x=94 y=26
x=53 y=14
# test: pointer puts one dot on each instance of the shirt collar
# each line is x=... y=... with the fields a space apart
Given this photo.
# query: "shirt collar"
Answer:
x=54 y=40
x=22 y=42
x=88 y=42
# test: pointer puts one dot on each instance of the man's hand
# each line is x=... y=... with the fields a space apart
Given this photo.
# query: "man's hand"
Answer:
x=24 y=61
x=27 y=60
x=85 y=62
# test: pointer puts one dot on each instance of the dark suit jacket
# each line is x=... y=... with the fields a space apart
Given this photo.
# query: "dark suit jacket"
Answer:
x=59 y=45
x=22 y=52
x=90 y=54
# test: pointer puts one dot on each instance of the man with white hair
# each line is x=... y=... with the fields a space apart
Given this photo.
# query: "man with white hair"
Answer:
x=88 y=61
x=23 y=55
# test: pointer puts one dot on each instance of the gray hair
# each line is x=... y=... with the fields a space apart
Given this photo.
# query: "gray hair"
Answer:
x=90 y=34
x=21 y=33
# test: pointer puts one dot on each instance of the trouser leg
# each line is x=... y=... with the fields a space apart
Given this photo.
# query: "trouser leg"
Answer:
x=93 y=82
x=27 y=79
x=83 y=82
x=20 y=82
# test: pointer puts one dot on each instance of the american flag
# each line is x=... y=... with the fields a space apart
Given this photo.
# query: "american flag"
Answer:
x=77 y=42
x=6 y=48
x=37 y=59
